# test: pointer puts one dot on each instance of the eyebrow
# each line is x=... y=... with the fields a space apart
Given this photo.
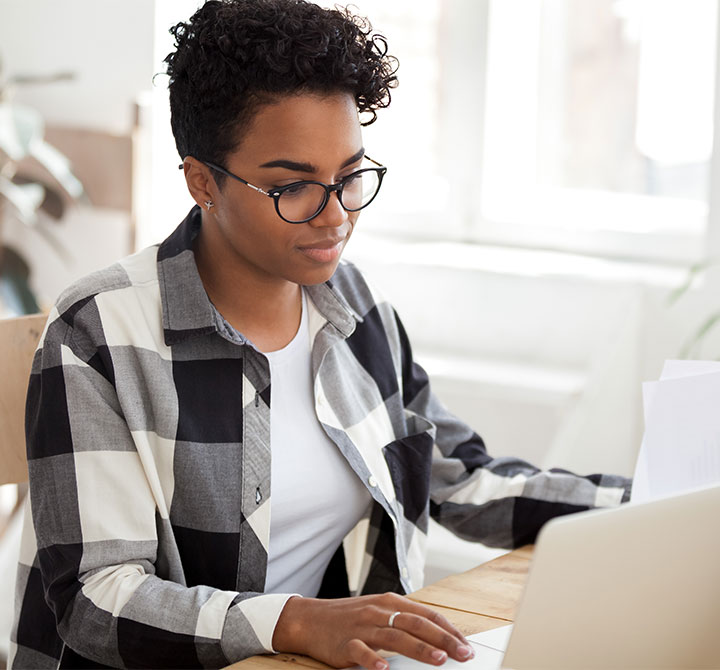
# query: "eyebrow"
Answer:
x=309 y=167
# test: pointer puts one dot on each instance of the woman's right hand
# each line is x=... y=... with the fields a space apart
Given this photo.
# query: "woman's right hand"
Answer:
x=349 y=631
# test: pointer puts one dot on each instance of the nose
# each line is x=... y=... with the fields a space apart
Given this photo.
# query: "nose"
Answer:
x=333 y=215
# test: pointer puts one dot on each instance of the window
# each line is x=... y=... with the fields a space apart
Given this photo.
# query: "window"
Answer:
x=599 y=125
x=551 y=123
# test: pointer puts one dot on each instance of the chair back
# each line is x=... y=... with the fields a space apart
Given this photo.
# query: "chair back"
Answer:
x=18 y=340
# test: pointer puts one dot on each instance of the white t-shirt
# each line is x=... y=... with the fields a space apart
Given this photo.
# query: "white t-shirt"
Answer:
x=316 y=498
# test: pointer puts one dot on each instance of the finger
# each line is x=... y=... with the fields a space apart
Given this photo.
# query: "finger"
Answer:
x=361 y=654
x=395 y=639
x=434 y=636
x=439 y=620
x=404 y=604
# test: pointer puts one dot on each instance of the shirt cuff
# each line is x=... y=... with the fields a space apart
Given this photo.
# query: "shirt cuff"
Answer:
x=250 y=625
x=614 y=494
x=286 y=597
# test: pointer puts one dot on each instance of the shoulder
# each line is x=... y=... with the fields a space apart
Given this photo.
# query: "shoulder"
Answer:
x=89 y=305
x=130 y=272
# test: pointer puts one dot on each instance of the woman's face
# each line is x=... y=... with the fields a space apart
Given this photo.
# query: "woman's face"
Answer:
x=300 y=137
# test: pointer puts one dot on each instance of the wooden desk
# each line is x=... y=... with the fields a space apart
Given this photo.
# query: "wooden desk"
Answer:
x=480 y=599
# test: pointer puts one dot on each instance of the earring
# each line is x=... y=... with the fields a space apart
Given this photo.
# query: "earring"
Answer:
x=209 y=204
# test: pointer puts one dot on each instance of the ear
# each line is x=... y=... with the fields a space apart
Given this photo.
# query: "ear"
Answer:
x=200 y=182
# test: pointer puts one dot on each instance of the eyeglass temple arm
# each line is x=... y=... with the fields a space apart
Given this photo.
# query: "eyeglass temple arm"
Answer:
x=222 y=170
x=372 y=160
x=217 y=168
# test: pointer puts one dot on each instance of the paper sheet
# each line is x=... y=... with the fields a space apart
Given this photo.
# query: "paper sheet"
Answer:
x=681 y=446
x=674 y=369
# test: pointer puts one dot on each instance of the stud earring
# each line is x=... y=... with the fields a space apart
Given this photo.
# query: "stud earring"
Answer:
x=209 y=204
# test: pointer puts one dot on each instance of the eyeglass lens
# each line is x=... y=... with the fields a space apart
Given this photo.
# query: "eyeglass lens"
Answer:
x=305 y=200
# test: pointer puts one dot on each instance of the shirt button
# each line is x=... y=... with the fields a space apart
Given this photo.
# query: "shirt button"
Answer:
x=404 y=572
x=372 y=481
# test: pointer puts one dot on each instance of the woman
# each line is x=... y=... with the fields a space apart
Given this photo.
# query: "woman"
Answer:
x=164 y=384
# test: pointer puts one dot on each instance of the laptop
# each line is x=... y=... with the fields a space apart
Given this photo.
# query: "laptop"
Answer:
x=637 y=586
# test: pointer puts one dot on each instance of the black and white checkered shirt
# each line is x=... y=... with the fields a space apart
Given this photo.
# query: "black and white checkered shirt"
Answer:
x=148 y=430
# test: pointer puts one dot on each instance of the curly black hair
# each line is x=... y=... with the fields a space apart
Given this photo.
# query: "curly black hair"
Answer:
x=234 y=55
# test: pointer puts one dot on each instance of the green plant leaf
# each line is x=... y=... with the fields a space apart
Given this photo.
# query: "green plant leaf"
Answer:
x=693 y=271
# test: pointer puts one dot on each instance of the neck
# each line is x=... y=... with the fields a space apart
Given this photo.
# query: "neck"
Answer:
x=266 y=310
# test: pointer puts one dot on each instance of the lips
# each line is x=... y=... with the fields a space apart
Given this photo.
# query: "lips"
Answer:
x=323 y=251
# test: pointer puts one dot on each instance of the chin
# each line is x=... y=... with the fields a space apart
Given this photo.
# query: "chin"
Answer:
x=317 y=276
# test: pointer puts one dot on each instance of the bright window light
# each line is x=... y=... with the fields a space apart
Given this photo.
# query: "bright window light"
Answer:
x=599 y=117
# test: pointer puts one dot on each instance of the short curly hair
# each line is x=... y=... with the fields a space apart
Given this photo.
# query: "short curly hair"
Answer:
x=233 y=56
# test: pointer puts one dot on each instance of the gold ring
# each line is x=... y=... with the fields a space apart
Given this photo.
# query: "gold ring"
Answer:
x=391 y=620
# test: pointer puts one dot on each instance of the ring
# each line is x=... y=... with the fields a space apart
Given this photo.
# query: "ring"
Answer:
x=391 y=620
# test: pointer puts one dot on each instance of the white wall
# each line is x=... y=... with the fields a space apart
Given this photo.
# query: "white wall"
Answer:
x=107 y=44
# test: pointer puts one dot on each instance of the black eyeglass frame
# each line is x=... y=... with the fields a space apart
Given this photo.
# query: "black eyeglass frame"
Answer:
x=338 y=188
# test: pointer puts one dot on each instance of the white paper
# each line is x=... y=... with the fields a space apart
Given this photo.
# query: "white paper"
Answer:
x=681 y=446
x=674 y=369
x=489 y=647
x=641 y=482
x=497 y=638
x=648 y=389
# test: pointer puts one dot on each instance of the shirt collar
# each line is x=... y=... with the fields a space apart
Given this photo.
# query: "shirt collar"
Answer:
x=186 y=309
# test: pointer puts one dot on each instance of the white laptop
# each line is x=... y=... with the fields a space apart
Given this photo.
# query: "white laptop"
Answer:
x=636 y=586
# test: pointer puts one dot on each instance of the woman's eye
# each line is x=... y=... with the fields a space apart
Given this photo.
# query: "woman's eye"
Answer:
x=295 y=190
x=353 y=181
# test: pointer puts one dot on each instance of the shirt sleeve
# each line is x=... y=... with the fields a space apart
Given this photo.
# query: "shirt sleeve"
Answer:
x=502 y=502
x=100 y=527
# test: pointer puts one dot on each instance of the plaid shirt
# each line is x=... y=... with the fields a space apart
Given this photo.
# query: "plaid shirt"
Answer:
x=149 y=456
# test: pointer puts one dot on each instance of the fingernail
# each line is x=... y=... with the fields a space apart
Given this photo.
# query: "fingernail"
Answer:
x=381 y=665
x=464 y=652
x=439 y=656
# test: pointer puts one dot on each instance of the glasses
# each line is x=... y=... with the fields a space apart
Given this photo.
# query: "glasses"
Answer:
x=302 y=201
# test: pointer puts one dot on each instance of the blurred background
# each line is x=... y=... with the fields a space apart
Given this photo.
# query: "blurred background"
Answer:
x=548 y=230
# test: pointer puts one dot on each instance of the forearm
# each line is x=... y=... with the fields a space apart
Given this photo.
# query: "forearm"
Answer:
x=505 y=502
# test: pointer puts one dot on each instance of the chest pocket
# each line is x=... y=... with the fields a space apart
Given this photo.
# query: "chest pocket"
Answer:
x=409 y=460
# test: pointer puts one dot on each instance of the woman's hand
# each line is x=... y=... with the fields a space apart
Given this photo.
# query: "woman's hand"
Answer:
x=349 y=631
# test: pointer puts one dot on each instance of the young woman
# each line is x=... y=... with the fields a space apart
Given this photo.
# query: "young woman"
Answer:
x=231 y=450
